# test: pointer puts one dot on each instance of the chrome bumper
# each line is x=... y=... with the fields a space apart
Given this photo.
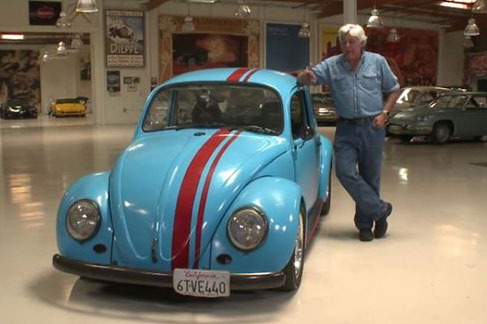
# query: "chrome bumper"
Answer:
x=242 y=281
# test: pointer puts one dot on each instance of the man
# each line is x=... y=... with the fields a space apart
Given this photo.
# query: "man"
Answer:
x=357 y=80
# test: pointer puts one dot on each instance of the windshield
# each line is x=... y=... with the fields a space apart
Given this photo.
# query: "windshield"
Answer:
x=70 y=100
x=251 y=108
x=408 y=95
x=449 y=101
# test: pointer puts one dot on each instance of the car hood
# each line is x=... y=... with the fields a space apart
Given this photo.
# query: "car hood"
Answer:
x=160 y=179
x=412 y=113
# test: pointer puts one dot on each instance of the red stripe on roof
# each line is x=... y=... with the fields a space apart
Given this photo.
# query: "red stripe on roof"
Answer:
x=250 y=74
x=237 y=74
x=186 y=196
x=204 y=195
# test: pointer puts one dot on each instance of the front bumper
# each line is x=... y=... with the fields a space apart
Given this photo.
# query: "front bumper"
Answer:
x=409 y=129
x=238 y=281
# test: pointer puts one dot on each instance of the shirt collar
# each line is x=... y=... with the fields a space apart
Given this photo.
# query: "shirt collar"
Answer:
x=345 y=63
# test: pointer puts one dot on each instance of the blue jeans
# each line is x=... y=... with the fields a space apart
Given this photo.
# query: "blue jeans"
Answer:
x=358 y=157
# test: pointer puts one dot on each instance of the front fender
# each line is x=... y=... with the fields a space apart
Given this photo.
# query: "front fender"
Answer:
x=95 y=188
x=280 y=200
x=326 y=155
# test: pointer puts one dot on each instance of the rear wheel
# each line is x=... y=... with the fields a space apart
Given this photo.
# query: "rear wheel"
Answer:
x=294 y=268
x=441 y=133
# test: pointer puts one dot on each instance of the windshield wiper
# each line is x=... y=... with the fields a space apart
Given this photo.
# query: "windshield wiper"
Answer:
x=197 y=125
x=257 y=129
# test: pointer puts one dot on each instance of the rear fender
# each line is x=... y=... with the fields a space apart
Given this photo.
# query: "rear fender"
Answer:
x=280 y=200
x=93 y=187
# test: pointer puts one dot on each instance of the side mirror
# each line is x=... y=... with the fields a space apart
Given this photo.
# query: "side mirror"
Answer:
x=308 y=133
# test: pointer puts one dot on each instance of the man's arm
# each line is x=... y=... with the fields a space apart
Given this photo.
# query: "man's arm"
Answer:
x=382 y=118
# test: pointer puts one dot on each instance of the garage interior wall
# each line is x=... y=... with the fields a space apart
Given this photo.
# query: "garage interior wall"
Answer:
x=124 y=106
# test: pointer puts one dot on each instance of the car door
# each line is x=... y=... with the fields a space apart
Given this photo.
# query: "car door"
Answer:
x=477 y=115
x=470 y=121
x=306 y=142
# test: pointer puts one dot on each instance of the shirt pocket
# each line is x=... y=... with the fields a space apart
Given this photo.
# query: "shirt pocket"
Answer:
x=371 y=82
x=340 y=82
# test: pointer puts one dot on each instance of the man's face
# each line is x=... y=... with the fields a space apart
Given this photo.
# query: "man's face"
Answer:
x=351 y=48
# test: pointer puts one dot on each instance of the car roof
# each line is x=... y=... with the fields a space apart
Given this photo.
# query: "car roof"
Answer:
x=282 y=82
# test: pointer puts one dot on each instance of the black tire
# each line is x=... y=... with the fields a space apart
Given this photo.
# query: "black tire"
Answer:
x=325 y=209
x=294 y=268
x=441 y=133
x=405 y=138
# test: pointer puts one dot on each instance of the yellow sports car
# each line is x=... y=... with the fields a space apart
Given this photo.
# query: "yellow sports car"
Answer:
x=69 y=107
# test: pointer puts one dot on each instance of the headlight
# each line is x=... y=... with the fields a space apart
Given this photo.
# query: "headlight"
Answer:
x=82 y=220
x=247 y=228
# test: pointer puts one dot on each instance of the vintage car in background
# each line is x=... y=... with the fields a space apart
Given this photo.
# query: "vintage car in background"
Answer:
x=69 y=107
x=323 y=108
x=17 y=109
x=214 y=193
x=452 y=115
x=416 y=96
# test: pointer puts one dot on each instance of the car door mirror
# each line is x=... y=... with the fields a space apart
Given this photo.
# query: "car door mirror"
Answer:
x=308 y=133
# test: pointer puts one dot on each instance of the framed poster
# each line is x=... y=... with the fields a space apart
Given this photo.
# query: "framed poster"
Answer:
x=113 y=81
x=285 y=51
x=215 y=42
x=44 y=12
x=124 y=38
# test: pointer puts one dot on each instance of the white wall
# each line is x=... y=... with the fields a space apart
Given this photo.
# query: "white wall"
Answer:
x=451 y=59
x=124 y=107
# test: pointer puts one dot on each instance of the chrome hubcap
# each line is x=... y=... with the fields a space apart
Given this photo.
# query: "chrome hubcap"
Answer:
x=298 y=249
x=442 y=133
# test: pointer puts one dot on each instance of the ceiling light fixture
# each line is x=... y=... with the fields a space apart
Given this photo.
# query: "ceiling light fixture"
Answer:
x=204 y=1
x=63 y=20
x=471 y=29
x=455 y=5
x=393 y=36
x=188 y=25
x=76 y=42
x=13 y=36
x=87 y=6
x=61 y=49
x=374 y=21
x=304 y=31
x=243 y=10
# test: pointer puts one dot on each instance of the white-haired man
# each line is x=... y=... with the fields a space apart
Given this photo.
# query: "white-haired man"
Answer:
x=357 y=80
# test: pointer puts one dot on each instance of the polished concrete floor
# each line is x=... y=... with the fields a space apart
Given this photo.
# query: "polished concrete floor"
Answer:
x=430 y=268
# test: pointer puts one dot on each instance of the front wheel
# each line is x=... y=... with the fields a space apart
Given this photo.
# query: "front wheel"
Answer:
x=441 y=133
x=405 y=138
x=294 y=268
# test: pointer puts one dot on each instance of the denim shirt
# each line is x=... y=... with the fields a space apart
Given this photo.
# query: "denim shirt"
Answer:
x=357 y=94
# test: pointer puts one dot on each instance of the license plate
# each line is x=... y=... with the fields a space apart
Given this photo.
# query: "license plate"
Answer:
x=201 y=283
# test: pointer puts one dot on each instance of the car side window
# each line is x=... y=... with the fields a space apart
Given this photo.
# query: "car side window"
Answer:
x=480 y=102
x=299 y=118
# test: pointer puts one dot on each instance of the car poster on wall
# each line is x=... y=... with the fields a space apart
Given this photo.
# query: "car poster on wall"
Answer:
x=124 y=38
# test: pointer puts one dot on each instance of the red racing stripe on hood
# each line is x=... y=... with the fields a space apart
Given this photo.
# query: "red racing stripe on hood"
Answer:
x=204 y=195
x=186 y=196
x=237 y=74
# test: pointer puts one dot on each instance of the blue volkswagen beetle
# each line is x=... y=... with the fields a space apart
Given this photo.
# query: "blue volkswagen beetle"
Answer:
x=221 y=189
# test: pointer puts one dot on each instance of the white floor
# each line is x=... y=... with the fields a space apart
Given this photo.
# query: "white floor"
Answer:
x=430 y=268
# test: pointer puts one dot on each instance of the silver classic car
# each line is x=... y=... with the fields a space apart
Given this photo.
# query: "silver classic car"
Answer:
x=416 y=96
x=323 y=108
x=452 y=115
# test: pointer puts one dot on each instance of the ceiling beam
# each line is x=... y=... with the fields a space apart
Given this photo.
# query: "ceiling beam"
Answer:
x=154 y=4
x=336 y=8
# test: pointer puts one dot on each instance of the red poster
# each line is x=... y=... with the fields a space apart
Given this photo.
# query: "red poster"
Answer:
x=413 y=59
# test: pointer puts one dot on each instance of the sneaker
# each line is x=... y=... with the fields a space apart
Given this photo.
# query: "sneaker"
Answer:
x=381 y=224
x=365 y=235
